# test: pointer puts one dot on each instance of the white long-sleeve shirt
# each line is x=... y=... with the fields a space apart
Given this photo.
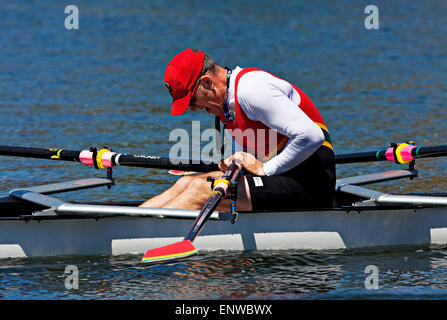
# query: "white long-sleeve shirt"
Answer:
x=274 y=102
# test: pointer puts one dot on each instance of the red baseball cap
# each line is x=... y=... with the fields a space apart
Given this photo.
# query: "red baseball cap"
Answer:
x=180 y=75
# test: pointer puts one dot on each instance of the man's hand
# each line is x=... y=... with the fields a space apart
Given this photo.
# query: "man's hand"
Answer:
x=247 y=160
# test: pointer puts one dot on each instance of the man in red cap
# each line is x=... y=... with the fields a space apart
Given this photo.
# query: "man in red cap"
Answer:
x=298 y=169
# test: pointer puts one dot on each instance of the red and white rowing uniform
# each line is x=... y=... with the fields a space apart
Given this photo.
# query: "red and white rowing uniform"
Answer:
x=260 y=100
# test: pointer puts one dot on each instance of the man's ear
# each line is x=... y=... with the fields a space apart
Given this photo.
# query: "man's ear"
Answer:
x=207 y=82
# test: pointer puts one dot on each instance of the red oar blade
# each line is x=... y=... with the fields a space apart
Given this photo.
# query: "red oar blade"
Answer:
x=173 y=251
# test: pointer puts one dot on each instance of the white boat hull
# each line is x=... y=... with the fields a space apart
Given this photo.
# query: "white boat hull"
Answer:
x=332 y=229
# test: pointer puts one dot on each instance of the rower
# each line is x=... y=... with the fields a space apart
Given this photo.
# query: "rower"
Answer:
x=289 y=158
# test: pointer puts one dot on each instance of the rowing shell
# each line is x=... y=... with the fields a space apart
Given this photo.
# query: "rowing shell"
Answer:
x=308 y=229
x=35 y=224
x=32 y=223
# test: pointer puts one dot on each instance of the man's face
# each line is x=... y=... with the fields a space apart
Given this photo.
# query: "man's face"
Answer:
x=207 y=97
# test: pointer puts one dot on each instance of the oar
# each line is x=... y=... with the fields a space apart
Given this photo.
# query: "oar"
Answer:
x=103 y=158
x=399 y=153
x=185 y=248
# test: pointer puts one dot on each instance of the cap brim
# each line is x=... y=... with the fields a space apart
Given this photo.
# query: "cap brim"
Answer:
x=179 y=106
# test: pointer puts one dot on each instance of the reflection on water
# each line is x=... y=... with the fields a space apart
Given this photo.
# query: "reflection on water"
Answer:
x=404 y=272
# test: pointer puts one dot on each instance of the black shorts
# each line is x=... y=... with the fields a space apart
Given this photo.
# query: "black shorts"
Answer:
x=309 y=185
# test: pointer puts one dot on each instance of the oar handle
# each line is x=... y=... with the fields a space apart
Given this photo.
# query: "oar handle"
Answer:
x=219 y=191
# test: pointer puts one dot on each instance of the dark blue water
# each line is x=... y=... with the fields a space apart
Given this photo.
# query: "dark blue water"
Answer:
x=103 y=85
x=403 y=273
